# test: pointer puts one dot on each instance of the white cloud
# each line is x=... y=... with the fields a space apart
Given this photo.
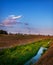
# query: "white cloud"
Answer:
x=15 y=17
x=10 y=20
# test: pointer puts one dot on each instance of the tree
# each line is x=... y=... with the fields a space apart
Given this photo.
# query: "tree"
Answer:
x=3 y=32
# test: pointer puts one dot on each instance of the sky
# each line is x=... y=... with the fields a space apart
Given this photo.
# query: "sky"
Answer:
x=27 y=16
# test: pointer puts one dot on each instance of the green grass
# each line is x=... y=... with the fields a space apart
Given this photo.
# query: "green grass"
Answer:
x=20 y=54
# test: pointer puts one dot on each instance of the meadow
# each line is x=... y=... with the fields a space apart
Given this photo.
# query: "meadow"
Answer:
x=20 y=54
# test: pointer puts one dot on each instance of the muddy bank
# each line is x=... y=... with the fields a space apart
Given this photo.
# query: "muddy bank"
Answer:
x=47 y=58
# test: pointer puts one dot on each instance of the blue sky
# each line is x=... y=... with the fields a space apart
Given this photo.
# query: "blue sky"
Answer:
x=36 y=16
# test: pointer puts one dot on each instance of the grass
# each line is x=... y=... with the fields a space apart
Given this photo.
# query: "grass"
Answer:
x=18 y=55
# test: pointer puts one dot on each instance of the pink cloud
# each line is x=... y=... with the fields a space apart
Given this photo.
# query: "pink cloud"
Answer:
x=10 y=20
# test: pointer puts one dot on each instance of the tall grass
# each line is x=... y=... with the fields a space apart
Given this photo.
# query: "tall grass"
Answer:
x=20 y=54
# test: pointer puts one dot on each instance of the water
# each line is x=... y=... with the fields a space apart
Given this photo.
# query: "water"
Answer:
x=36 y=57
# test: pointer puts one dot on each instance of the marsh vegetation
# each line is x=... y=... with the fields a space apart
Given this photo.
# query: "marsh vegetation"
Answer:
x=18 y=55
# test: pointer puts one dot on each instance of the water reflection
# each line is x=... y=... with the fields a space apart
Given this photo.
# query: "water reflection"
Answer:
x=36 y=57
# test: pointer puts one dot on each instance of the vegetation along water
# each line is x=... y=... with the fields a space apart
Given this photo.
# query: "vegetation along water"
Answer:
x=20 y=54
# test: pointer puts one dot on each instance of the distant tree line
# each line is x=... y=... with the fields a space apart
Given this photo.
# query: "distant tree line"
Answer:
x=3 y=32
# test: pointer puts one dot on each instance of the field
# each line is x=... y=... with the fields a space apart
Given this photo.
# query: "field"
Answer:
x=16 y=50
x=19 y=39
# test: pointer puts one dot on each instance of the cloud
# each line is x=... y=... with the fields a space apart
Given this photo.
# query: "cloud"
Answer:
x=14 y=17
x=11 y=20
x=26 y=24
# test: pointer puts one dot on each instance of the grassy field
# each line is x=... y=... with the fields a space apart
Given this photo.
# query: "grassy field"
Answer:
x=18 y=55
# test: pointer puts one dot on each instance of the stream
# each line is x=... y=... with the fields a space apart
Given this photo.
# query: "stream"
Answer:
x=36 y=57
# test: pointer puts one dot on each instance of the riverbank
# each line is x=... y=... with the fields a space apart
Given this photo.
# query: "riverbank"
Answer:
x=36 y=57
x=18 y=55
x=47 y=57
